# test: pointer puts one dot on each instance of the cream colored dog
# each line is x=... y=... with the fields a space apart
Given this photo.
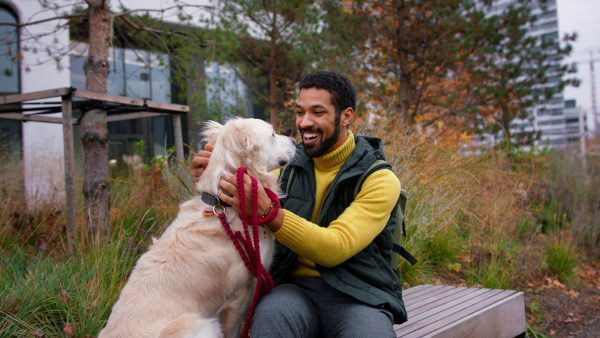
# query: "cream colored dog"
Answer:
x=192 y=281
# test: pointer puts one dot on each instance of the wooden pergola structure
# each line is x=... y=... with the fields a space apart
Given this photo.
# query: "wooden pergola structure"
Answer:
x=123 y=108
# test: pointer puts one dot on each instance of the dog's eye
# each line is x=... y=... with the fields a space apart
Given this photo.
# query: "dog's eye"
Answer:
x=273 y=135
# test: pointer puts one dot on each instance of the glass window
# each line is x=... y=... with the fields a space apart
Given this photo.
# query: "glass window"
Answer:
x=137 y=74
x=548 y=25
x=9 y=53
x=548 y=14
x=132 y=73
x=550 y=36
x=10 y=130
x=226 y=93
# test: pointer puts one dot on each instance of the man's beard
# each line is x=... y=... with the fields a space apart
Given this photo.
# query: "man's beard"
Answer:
x=320 y=149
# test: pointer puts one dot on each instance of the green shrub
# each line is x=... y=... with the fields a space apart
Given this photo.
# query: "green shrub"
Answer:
x=562 y=257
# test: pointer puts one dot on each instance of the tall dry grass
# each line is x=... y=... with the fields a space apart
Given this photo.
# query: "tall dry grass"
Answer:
x=40 y=228
x=474 y=215
x=46 y=292
x=569 y=191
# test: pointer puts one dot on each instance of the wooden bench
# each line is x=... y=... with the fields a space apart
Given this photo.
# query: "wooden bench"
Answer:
x=450 y=311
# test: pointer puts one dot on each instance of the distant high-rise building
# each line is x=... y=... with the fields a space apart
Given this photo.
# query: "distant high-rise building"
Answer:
x=575 y=121
x=548 y=116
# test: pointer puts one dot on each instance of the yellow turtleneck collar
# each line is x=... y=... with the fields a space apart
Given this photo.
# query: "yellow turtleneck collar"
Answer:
x=337 y=157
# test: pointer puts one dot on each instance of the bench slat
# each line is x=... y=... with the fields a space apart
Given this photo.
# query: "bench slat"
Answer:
x=447 y=311
x=434 y=314
x=414 y=289
x=421 y=292
x=441 y=307
x=439 y=292
x=504 y=319
x=429 y=303
x=466 y=322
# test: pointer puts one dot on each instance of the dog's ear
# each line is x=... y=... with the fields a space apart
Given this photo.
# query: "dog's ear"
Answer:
x=244 y=138
x=211 y=131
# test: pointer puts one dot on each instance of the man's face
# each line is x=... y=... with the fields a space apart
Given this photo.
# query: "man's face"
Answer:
x=321 y=128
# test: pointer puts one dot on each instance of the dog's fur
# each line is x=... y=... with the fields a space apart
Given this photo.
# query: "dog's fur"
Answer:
x=192 y=282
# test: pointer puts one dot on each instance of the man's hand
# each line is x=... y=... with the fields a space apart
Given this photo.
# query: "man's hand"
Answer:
x=229 y=184
x=200 y=161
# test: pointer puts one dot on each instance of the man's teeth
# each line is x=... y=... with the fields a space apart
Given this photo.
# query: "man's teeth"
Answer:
x=310 y=135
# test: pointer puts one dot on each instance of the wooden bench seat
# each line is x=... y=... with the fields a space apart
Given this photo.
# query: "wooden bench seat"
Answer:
x=451 y=311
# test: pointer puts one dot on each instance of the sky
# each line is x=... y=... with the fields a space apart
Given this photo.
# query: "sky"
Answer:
x=583 y=17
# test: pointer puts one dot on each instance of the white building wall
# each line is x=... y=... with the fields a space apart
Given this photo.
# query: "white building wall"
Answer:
x=42 y=142
x=43 y=153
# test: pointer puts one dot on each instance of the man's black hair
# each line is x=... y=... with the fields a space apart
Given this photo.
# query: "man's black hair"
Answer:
x=338 y=85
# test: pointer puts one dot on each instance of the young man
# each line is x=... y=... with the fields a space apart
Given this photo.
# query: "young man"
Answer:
x=331 y=268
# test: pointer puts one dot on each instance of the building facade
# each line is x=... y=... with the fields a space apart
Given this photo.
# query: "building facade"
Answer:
x=39 y=145
x=548 y=117
x=576 y=121
x=134 y=73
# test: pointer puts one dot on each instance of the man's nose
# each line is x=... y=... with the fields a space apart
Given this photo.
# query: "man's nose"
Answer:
x=305 y=121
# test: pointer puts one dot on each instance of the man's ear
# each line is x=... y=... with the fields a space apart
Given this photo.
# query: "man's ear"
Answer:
x=211 y=131
x=347 y=117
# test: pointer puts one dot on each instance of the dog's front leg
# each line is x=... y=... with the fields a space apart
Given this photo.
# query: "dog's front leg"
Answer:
x=234 y=310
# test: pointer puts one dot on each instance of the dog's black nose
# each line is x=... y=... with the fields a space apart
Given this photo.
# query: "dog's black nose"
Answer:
x=293 y=140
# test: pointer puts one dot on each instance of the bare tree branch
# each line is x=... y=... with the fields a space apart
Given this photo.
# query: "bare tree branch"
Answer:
x=439 y=117
x=155 y=31
x=164 y=10
x=51 y=58
x=65 y=17
x=260 y=65
x=254 y=90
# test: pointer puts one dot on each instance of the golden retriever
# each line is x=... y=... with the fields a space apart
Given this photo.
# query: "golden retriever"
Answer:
x=192 y=282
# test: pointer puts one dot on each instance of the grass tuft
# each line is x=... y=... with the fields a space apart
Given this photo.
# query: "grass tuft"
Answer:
x=562 y=257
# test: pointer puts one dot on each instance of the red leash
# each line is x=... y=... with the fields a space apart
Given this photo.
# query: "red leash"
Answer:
x=248 y=246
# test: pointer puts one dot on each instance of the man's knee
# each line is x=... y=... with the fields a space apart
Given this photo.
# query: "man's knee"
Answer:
x=359 y=321
x=277 y=302
x=284 y=310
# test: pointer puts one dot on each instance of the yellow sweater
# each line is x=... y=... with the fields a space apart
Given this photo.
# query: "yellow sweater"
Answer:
x=354 y=229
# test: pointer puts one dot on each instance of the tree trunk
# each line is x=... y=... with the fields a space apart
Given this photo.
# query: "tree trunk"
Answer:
x=273 y=106
x=506 y=118
x=404 y=89
x=94 y=132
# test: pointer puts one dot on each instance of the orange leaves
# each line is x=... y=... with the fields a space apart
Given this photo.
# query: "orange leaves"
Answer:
x=590 y=273
x=552 y=283
x=68 y=330
x=65 y=296
x=11 y=310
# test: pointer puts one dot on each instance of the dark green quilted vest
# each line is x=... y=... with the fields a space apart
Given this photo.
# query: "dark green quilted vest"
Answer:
x=367 y=276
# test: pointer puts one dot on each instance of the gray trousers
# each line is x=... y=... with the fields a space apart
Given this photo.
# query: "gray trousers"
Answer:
x=309 y=307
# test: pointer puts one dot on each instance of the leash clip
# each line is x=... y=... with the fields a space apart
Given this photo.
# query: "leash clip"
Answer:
x=223 y=212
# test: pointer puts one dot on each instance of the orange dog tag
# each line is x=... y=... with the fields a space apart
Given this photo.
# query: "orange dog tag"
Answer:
x=208 y=211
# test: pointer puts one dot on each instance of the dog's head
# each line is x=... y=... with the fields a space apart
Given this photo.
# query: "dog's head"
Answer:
x=249 y=143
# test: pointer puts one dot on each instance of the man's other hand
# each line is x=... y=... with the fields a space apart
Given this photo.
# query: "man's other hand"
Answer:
x=200 y=161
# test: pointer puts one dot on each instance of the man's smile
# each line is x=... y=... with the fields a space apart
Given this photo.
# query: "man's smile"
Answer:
x=309 y=137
